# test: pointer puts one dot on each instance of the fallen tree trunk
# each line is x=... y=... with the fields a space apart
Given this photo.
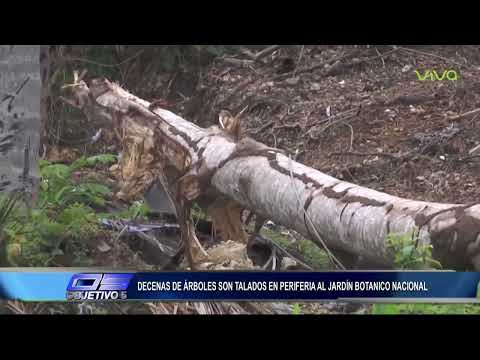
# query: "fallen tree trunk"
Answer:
x=225 y=173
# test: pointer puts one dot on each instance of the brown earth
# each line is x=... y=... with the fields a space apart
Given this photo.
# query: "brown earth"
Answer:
x=378 y=108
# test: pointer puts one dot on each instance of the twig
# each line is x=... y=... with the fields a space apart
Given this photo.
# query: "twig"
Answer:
x=474 y=118
x=261 y=54
x=299 y=60
x=468 y=158
x=289 y=254
x=346 y=115
x=264 y=267
x=332 y=257
x=351 y=135
x=239 y=87
x=248 y=53
x=274 y=259
x=106 y=65
x=464 y=115
x=381 y=57
x=330 y=124
x=332 y=117
x=287 y=126
x=351 y=153
x=317 y=66
x=264 y=127
x=338 y=65
x=274 y=140
x=11 y=97
x=225 y=72
x=238 y=62
x=432 y=55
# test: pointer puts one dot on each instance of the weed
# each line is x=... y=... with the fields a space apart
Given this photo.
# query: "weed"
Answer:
x=56 y=230
x=410 y=255
x=137 y=211
x=296 y=309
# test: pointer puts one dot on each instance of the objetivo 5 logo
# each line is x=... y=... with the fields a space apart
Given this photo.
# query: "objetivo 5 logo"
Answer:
x=84 y=287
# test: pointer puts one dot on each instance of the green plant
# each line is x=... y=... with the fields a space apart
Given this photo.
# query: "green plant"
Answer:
x=62 y=221
x=138 y=210
x=59 y=190
x=437 y=309
x=7 y=205
x=409 y=254
x=296 y=309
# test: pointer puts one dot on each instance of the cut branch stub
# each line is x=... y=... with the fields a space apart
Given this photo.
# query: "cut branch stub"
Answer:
x=216 y=164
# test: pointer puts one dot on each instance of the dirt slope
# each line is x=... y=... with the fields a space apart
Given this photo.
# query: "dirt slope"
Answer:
x=378 y=109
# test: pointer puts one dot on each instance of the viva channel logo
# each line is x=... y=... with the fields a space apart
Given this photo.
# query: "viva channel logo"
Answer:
x=433 y=75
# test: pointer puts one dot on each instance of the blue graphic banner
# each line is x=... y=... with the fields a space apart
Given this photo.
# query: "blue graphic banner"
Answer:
x=405 y=286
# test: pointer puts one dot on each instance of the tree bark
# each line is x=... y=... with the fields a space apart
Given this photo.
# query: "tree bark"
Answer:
x=225 y=173
x=19 y=117
x=45 y=78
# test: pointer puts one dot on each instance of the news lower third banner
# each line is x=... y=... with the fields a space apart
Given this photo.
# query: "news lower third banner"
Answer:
x=372 y=286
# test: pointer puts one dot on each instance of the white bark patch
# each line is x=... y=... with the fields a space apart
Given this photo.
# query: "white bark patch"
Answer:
x=476 y=262
x=20 y=90
x=440 y=225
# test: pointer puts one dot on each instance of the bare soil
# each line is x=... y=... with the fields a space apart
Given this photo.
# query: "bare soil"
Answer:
x=371 y=122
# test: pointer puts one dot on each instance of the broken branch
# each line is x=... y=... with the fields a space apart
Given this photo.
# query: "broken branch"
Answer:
x=224 y=175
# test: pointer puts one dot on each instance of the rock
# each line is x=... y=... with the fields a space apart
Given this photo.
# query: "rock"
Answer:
x=104 y=247
x=288 y=263
x=293 y=81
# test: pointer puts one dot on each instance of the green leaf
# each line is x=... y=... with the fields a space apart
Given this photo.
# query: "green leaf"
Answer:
x=97 y=188
x=57 y=252
x=103 y=159
x=57 y=170
x=296 y=309
x=435 y=264
x=385 y=309
x=43 y=163
x=96 y=200
x=408 y=250
x=79 y=163
x=61 y=194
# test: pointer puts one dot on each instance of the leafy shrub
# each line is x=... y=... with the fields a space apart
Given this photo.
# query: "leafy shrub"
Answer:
x=409 y=254
x=62 y=220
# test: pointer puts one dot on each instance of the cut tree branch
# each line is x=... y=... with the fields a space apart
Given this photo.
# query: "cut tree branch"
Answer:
x=225 y=175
